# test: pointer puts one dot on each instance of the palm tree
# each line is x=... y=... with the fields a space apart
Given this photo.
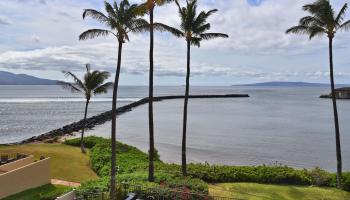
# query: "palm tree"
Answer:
x=193 y=29
x=323 y=21
x=149 y=6
x=93 y=84
x=120 y=20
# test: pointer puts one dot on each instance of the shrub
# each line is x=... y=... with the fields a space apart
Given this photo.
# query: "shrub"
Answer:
x=320 y=177
x=257 y=174
x=89 y=142
x=346 y=181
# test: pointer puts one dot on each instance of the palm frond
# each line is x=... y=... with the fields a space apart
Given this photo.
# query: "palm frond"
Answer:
x=345 y=26
x=77 y=82
x=315 y=31
x=163 y=27
x=208 y=36
x=139 y=25
x=93 y=33
x=196 y=41
x=102 y=89
x=97 y=15
x=341 y=14
x=69 y=86
x=110 y=10
x=300 y=29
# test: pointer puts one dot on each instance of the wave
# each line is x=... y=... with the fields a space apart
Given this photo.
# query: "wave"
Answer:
x=61 y=99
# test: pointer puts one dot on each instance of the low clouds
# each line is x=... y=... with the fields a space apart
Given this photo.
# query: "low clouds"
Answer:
x=258 y=48
x=4 y=21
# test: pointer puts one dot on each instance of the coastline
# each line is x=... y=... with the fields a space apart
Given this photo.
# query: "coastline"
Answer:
x=70 y=129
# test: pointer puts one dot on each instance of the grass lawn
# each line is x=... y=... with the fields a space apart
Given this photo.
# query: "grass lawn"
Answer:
x=67 y=162
x=253 y=191
x=44 y=192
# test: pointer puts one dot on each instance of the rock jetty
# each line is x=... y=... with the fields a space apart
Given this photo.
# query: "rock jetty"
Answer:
x=107 y=116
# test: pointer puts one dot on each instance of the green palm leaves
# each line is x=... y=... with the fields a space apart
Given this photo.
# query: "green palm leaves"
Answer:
x=322 y=20
x=193 y=26
x=120 y=20
x=92 y=84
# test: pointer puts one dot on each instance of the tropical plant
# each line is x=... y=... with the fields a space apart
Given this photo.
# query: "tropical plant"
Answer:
x=149 y=6
x=120 y=20
x=193 y=29
x=93 y=84
x=324 y=21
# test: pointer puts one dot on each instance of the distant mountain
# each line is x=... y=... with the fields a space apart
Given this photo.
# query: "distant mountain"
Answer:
x=7 y=78
x=291 y=84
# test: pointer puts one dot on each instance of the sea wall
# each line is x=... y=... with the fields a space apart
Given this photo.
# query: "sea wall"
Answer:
x=107 y=116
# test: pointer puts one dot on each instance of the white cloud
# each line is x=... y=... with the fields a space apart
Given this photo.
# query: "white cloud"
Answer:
x=44 y=36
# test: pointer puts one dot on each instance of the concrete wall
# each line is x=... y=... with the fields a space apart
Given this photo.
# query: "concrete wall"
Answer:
x=17 y=164
x=29 y=176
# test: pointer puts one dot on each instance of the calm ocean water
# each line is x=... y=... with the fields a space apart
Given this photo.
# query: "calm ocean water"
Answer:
x=275 y=125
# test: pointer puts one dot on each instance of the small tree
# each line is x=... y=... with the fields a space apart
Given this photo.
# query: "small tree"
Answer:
x=323 y=21
x=121 y=20
x=93 y=84
x=193 y=29
x=148 y=7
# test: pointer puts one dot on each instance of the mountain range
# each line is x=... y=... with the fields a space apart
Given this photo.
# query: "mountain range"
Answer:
x=7 y=78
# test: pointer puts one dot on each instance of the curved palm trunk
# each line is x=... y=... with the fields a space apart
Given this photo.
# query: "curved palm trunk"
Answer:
x=150 y=105
x=114 y=118
x=83 y=129
x=184 y=131
x=336 y=121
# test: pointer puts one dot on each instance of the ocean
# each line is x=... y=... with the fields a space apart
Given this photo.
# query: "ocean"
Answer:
x=276 y=125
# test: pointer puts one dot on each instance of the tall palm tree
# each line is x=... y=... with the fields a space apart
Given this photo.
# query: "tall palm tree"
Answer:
x=193 y=29
x=120 y=20
x=149 y=6
x=93 y=84
x=324 y=21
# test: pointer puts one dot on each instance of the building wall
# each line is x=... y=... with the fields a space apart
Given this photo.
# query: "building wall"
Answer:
x=17 y=164
x=33 y=175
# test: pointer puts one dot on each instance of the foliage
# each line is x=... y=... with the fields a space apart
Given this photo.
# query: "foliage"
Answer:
x=46 y=192
x=320 y=177
x=346 y=181
x=322 y=20
x=257 y=174
x=89 y=142
x=133 y=166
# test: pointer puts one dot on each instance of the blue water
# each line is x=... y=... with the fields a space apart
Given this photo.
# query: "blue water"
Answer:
x=275 y=125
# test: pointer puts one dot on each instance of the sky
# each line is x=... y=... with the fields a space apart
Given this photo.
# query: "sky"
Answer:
x=40 y=38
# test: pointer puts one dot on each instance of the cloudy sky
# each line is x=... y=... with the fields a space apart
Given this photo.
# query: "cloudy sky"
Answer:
x=40 y=37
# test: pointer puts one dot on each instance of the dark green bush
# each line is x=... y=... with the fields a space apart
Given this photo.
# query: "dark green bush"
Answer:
x=346 y=181
x=257 y=174
x=320 y=177
x=89 y=142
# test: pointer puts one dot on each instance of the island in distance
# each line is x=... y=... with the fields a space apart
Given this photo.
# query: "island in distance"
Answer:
x=7 y=78
x=289 y=84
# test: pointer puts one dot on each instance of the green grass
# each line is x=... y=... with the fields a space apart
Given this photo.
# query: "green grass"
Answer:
x=45 y=192
x=253 y=191
x=67 y=162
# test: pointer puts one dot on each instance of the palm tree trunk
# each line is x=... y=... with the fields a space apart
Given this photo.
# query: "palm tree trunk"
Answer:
x=184 y=164
x=83 y=129
x=114 y=118
x=336 y=121
x=150 y=105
